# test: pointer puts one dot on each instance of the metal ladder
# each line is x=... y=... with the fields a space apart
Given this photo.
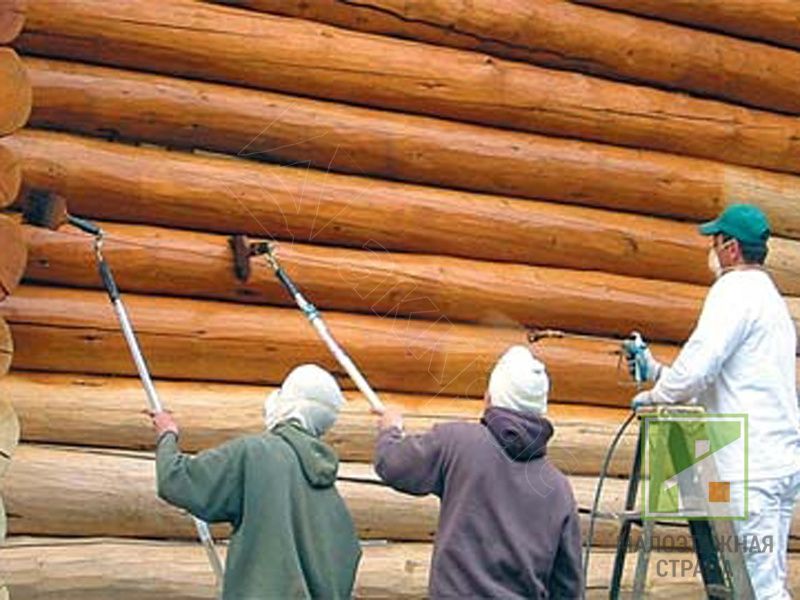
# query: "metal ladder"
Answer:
x=723 y=570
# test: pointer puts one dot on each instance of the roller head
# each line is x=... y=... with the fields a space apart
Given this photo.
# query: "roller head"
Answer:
x=244 y=249
x=240 y=246
x=45 y=209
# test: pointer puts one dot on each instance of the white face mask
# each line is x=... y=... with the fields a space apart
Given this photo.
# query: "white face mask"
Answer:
x=713 y=263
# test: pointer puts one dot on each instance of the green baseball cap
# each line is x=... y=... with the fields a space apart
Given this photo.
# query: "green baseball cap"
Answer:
x=743 y=222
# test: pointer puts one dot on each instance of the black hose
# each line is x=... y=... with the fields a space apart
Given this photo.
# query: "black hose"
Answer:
x=598 y=492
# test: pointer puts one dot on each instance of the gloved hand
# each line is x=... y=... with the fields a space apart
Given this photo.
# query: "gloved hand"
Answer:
x=638 y=356
x=642 y=399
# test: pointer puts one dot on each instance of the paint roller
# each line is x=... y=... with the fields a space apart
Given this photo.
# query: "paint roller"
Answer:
x=45 y=209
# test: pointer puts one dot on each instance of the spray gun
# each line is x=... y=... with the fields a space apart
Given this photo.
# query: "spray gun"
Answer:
x=633 y=350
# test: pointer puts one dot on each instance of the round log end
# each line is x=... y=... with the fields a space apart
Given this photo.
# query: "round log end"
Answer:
x=9 y=434
x=6 y=353
x=10 y=175
x=783 y=261
x=16 y=95
x=12 y=19
x=14 y=256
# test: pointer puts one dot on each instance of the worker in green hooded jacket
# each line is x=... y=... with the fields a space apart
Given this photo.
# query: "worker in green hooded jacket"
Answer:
x=293 y=536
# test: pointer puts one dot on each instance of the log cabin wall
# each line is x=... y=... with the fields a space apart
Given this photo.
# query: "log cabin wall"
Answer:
x=15 y=107
x=439 y=180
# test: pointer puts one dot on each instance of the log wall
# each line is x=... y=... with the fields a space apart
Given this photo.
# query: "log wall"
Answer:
x=560 y=34
x=745 y=18
x=15 y=107
x=509 y=166
x=261 y=51
x=214 y=194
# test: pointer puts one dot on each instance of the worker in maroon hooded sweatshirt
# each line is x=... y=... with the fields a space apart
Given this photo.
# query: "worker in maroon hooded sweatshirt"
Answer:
x=508 y=523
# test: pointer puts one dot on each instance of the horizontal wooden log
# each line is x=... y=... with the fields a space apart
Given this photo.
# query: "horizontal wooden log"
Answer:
x=106 y=411
x=94 y=569
x=112 y=494
x=6 y=347
x=97 y=569
x=255 y=124
x=166 y=261
x=10 y=176
x=15 y=91
x=75 y=331
x=560 y=34
x=775 y=21
x=12 y=18
x=215 y=194
x=309 y=59
x=14 y=256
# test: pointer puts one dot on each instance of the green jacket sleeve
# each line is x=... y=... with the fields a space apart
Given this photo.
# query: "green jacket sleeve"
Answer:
x=208 y=485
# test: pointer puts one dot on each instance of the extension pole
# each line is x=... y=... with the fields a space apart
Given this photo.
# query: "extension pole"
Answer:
x=153 y=401
x=316 y=320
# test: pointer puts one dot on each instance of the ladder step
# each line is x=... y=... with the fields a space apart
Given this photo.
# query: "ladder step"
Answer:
x=722 y=592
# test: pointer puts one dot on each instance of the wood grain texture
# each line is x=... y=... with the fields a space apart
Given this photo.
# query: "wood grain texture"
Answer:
x=96 y=569
x=74 y=409
x=45 y=569
x=6 y=347
x=261 y=125
x=13 y=257
x=142 y=185
x=10 y=176
x=161 y=261
x=75 y=331
x=560 y=34
x=308 y=59
x=15 y=91
x=12 y=19
x=774 y=21
x=9 y=432
x=112 y=494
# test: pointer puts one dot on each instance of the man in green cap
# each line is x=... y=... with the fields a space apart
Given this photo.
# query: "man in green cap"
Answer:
x=292 y=534
x=740 y=359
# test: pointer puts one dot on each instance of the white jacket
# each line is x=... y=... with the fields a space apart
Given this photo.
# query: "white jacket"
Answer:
x=740 y=359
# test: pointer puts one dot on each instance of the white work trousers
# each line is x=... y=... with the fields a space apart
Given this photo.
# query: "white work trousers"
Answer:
x=770 y=503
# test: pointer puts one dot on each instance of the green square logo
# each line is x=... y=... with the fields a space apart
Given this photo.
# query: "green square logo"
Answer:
x=694 y=466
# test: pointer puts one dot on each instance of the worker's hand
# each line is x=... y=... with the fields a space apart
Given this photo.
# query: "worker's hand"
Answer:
x=639 y=357
x=642 y=399
x=163 y=423
x=391 y=418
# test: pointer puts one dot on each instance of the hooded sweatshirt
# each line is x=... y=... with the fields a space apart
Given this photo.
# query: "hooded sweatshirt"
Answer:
x=292 y=537
x=508 y=523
